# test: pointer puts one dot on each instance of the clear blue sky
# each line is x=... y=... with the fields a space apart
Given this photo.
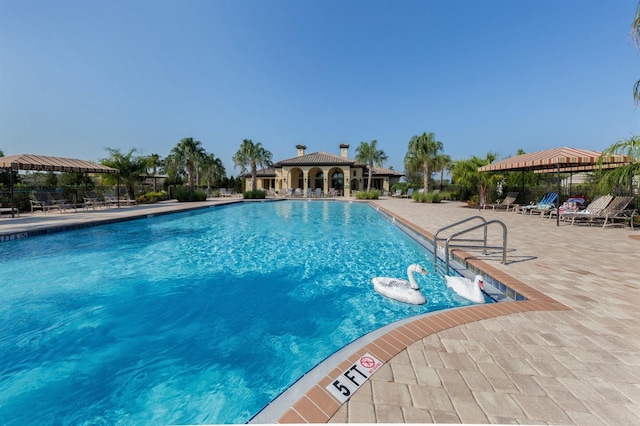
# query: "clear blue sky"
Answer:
x=79 y=76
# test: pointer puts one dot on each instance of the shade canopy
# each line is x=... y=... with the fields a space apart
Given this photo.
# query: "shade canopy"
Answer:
x=566 y=159
x=52 y=164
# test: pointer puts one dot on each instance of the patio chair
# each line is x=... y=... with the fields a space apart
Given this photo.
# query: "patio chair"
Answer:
x=318 y=192
x=58 y=201
x=545 y=206
x=9 y=210
x=308 y=193
x=297 y=192
x=593 y=208
x=41 y=201
x=110 y=199
x=332 y=192
x=506 y=204
x=408 y=194
x=124 y=197
x=92 y=200
x=615 y=210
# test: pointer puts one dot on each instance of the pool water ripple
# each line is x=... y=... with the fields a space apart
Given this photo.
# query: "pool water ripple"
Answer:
x=198 y=317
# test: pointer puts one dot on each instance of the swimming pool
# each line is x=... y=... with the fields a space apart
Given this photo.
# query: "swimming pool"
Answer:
x=200 y=317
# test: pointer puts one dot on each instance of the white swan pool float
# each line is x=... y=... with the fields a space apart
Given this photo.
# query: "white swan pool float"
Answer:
x=401 y=290
x=464 y=287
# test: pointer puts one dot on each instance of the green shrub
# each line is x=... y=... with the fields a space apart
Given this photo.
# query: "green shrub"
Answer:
x=254 y=195
x=152 y=197
x=431 y=197
x=374 y=194
x=184 y=194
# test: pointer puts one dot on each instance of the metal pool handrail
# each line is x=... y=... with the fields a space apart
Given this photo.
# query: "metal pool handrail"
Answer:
x=484 y=245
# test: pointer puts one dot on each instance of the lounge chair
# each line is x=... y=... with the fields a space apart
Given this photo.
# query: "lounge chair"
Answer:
x=41 y=201
x=332 y=192
x=297 y=192
x=58 y=201
x=615 y=210
x=398 y=193
x=545 y=206
x=308 y=193
x=318 y=192
x=408 y=194
x=92 y=200
x=506 y=204
x=594 y=208
x=124 y=197
x=543 y=200
x=9 y=210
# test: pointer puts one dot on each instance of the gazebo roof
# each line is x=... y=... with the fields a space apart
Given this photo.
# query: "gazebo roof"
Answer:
x=52 y=164
x=567 y=159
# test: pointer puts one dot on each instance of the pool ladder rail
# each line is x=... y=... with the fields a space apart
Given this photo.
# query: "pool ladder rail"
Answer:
x=452 y=241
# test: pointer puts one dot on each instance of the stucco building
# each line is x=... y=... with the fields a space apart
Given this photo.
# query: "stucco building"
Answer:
x=331 y=174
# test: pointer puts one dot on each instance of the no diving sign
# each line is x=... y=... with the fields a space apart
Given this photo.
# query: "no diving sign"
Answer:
x=353 y=377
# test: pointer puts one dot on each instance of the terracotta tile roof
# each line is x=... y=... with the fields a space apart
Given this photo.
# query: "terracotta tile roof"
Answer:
x=322 y=159
x=318 y=159
x=270 y=172
x=379 y=171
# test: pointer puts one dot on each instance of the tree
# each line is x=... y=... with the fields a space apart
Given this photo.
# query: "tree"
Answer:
x=153 y=162
x=623 y=175
x=213 y=169
x=131 y=169
x=635 y=35
x=421 y=155
x=467 y=176
x=441 y=164
x=370 y=155
x=186 y=156
x=252 y=155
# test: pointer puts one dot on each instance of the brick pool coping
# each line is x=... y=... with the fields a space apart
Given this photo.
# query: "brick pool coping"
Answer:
x=317 y=405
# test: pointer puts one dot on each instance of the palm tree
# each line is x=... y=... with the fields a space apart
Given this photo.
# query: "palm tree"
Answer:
x=187 y=155
x=153 y=162
x=466 y=175
x=131 y=169
x=370 y=155
x=252 y=155
x=421 y=155
x=441 y=164
x=635 y=35
x=623 y=175
x=213 y=169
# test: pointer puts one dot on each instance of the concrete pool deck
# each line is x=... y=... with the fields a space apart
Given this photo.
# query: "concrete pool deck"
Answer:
x=569 y=355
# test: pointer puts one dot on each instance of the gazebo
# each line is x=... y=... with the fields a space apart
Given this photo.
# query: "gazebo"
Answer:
x=49 y=164
x=558 y=160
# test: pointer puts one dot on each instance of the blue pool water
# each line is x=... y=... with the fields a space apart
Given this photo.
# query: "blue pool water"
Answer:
x=196 y=317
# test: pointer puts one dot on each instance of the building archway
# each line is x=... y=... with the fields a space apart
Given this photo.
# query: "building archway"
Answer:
x=336 y=180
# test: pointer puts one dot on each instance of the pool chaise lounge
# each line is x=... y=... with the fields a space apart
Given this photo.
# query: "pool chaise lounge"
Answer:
x=616 y=210
x=9 y=210
x=506 y=204
x=595 y=207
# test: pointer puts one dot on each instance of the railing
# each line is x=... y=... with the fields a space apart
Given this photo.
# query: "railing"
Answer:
x=448 y=242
